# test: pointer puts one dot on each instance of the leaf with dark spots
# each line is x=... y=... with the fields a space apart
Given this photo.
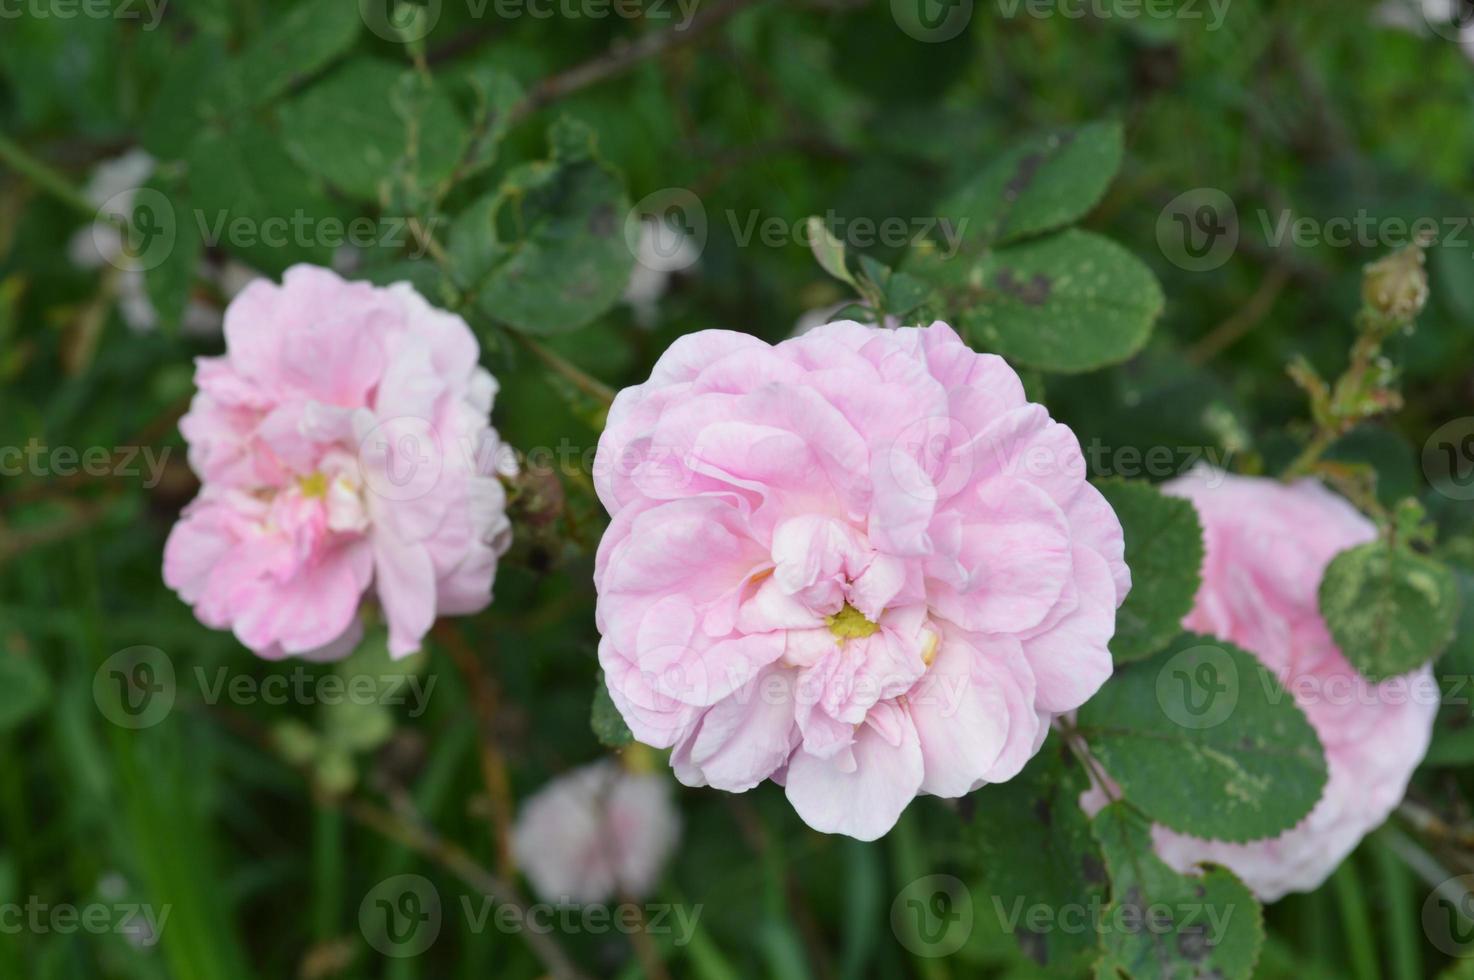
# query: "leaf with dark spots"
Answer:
x=1033 y=946
x=601 y=221
x=1032 y=292
x=1033 y=847
x=1192 y=943
x=1187 y=712
x=1039 y=185
x=1072 y=301
x=1161 y=925
x=1389 y=608
x=568 y=261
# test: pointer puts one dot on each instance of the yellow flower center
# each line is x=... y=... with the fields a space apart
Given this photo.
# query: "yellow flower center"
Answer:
x=850 y=624
x=313 y=485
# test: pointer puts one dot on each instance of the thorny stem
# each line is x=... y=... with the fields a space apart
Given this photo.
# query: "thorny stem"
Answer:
x=1394 y=290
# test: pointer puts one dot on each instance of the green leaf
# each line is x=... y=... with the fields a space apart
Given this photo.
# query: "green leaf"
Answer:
x=1039 y=185
x=828 y=250
x=1034 y=851
x=546 y=253
x=1161 y=925
x=1164 y=550
x=372 y=125
x=295 y=44
x=1389 y=609
x=427 y=278
x=254 y=201
x=1453 y=731
x=496 y=94
x=1204 y=740
x=170 y=283
x=1069 y=302
x=24 y=689
x=179 y=108
x=605 y=719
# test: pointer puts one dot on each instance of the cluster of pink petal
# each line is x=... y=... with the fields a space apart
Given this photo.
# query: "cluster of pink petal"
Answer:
x=597 y=832
x=1267 y=546
x=343 y=444
x=859 y=563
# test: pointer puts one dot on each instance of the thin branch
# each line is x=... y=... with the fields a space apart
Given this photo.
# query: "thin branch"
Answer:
x=45 y=177
x=493 y=764
x=403 y=826
x=81 y=517
x=1427 y=867
x=152 y=433
x=1242 y=321
x=1431 y=825
x=624 y=55
x=424 y=841
x=645 y=949
x=585 y=383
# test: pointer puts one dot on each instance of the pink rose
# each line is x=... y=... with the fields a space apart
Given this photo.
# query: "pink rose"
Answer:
x=343 y=444
x=859 y=563
x=1267 y=547
x=597 y=832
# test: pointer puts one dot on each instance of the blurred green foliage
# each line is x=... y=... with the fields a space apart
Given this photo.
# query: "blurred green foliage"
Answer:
x=267 y=108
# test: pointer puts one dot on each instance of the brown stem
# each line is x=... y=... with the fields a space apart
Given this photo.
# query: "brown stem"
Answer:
x=650 y=962
x=82 y=517
x=493 y=763
x=624 y=55
x=1243 y=321
x=590 y=386
x=455 y=860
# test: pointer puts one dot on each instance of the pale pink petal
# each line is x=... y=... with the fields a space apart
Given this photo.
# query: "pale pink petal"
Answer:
x=863 y=793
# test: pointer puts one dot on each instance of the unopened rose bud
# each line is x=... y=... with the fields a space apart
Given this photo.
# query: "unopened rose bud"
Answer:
x=1397 y=286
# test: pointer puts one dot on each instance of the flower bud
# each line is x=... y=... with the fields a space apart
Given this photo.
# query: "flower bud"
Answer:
x=1397 y=286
